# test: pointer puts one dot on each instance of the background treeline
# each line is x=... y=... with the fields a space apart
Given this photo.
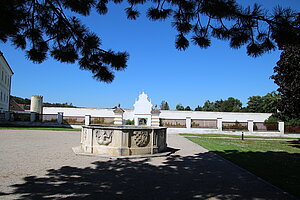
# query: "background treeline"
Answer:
x=26 y=101
x=257 y=104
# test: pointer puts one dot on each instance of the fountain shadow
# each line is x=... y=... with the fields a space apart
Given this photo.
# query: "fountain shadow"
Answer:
x=199 y=176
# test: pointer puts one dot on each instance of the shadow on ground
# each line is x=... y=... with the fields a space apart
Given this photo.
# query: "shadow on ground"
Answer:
x=294 y=143
x=201 y=176
x=277 y=167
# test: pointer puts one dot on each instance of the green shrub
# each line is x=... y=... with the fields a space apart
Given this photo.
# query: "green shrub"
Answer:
x=236 y=126
x=129 y=122
x=272 y=119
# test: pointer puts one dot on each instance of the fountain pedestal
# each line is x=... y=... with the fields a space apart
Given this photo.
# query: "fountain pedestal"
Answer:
x=122 y=140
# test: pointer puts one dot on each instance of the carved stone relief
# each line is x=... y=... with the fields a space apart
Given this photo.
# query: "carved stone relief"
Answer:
x=104 y=137
x=84 y=134
x=141 y=138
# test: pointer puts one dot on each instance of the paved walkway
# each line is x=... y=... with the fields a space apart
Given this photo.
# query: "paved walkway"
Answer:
x=41 y=165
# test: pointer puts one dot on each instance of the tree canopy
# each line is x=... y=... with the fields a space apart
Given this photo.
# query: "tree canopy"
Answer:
x=179 y=107
x=287 y=77
x=229 y=105
x=263 y=104
x=164 y=105
x=198 y=108
x=188 y=108
x=27 y=101
x=42 y=28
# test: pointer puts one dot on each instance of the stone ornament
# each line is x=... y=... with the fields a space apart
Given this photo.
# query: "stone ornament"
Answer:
x=85 y=135
x=104 y=137
x=141 y=138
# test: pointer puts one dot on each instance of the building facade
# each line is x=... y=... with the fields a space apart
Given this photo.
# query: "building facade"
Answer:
x=5 y=83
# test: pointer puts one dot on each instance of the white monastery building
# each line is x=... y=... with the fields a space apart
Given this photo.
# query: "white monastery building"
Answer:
x=5 y=83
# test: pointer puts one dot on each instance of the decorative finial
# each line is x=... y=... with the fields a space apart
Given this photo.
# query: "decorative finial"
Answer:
x=155 y=110
x=118 y=109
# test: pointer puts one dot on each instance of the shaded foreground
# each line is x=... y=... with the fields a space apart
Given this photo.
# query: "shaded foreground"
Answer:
x=278 y=162
x=55 y=172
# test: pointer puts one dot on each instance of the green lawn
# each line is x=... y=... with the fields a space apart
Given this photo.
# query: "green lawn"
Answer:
x=41 y=128
x=278 y=162
x=233 y=136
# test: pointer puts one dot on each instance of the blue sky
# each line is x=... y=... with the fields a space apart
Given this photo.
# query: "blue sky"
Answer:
x=188 y=77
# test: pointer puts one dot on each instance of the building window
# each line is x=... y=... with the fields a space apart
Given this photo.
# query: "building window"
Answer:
x=2 y=75
x=1 y=95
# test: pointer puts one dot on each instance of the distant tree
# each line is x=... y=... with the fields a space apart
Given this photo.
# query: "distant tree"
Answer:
x=255 y=104
x=231 y=105
x=42 y=28
x=208 y=106
x=187 y=108
x=129 y=122
x=271 y=102
x=218 y=106
x=287 y=77
x=164 y=105
x=179 y=107
x=26 y=101
x=20 y=100
x=263 y=104
x=67 y=105
x=198 y=108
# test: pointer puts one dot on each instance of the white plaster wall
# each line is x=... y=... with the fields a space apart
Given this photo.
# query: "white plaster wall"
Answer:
x=128 y=114
x=226 y=116
x=167 y=114
x=95 y=112
x=79 y=111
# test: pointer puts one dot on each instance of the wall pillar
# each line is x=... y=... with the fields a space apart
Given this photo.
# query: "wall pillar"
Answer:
x=250 y=125
x=219 y=123
x=118 y=120
x=87 y=120
x=155 y=116
x=60 y=117
x=32 y=116
x=281 y=127
x=188 y=122
x=136 y=121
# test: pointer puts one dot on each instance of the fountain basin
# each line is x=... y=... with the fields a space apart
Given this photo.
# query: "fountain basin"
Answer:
x=122 y=140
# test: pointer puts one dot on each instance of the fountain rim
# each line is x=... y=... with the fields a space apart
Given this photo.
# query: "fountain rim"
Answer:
x=122 y=127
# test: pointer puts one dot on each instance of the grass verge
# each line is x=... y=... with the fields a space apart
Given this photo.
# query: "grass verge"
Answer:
x=232 y=136
x=277 y=162
x=41 y=128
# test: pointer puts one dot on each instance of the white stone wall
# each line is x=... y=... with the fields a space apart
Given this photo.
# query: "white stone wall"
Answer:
x=166 y=114
x=79 y=111
x=5 y=84
x=226 y=116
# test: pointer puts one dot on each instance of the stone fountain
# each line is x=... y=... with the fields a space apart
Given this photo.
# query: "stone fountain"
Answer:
x=124 y=140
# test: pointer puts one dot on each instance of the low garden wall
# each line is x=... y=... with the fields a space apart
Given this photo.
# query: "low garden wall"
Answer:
x=175 y=121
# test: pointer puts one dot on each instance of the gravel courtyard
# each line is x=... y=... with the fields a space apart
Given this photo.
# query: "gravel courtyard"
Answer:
x=37 y=164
